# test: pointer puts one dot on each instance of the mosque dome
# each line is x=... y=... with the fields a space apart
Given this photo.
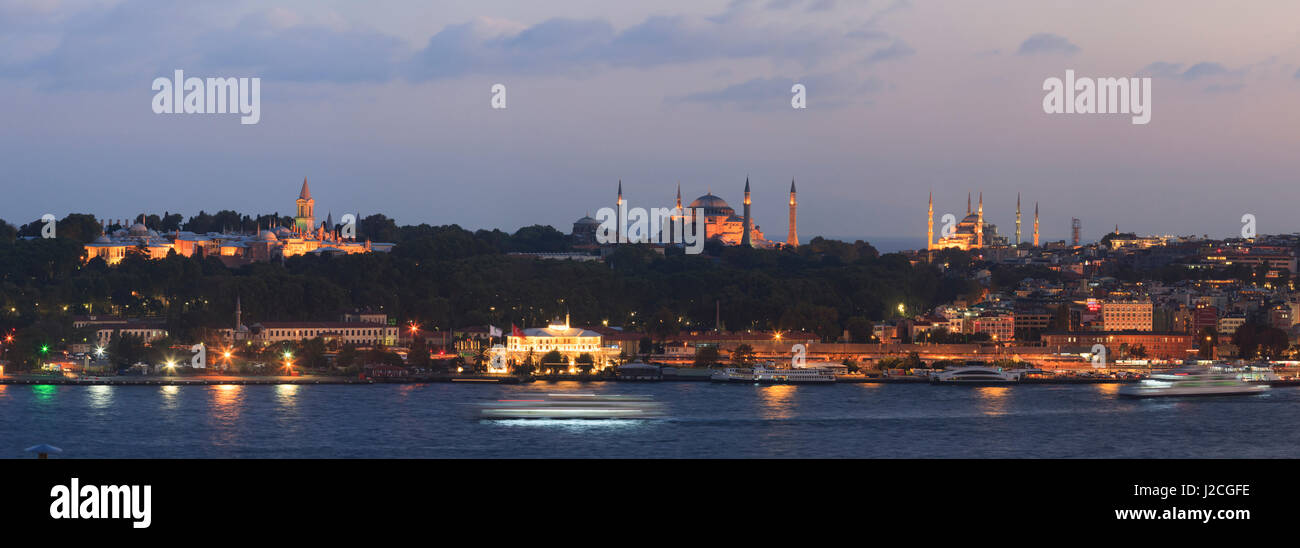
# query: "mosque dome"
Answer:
x=713 y=205
x=103 y=239
x=267 y=236
x=138 y=229
x=586 y=220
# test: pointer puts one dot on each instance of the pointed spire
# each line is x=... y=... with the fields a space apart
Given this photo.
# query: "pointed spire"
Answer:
x=679 y=194
x=791 y=185
x=305 y=193
x=968 y=203
x=744 y=235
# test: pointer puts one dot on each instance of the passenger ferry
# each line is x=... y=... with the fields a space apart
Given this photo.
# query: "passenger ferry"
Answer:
x=573 y=406
x=975 y=373
x=1191 y=382
x=770 y=374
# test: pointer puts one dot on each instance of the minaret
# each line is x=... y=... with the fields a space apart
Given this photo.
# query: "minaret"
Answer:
x=1017 y=219
x=238 y=316
x=968 y=203
x=679 y=194
x=618 y=211
x=744 y=235
x=1035 y=224
x=979 y=225
x=792 y=237
x=929 y=224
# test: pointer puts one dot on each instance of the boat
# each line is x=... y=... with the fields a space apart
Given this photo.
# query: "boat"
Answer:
x=1191 y=382
x=770 y=374
x=975 y=373
x=573 y=406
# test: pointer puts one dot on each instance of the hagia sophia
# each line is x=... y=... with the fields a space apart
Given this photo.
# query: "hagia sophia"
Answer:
x=972 y=232
x=304 y=237
x=720 y=221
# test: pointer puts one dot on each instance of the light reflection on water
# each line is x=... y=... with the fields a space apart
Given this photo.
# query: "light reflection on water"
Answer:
x=993 y=399
x=170 y=401
x=99 y=396
x=285 y=394
x=226 y=401
x=776 y=401
x=45 y=392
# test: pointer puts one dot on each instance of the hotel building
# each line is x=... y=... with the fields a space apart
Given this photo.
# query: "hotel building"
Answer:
x=570 y=342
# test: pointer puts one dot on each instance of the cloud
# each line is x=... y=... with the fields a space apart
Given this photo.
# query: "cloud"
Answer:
x=1044 y=42
x=1224 y=88
x=283 y=47
x=773 y=94
x=578 y=46
x=821 y=5
x=781 y=4
x=1204 y=69
x=122 y=45
x=1162 y=69
x=896 y=50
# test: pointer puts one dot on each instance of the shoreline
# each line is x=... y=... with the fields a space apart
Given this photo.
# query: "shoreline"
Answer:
x=477 y=379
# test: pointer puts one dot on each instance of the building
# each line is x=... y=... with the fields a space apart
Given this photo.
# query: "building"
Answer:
x=972 y=232
x=304 y=237
x=1156 y=344
x=361 y=333
x=721 y=223
x=1126 y=315
x=559 y=336
x=1228 y=325
x=999 y=327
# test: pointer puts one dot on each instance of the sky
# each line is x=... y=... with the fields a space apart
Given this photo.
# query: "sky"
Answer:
x=385 y=107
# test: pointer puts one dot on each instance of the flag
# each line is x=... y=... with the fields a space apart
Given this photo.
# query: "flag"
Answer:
x=494 y=331
x=515 y=332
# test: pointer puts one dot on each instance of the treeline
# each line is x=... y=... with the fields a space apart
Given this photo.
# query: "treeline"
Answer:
x=443 y=277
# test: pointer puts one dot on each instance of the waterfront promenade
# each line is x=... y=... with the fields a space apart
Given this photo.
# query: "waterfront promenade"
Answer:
x=206 y=380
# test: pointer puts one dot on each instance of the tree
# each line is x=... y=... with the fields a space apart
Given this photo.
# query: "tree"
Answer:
x=912 y=361
x=418 y=354
x=586 y=363
x=1255 y=340
x=1206 y=340
x=664 y=324
x=553 y=361
x=346 y=357
x=706 y=356
x=743 y=355
x=859 y=328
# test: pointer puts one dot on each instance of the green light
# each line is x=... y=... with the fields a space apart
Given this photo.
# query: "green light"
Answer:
x=45 y=348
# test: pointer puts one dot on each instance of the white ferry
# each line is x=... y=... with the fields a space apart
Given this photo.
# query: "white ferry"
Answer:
x=971 y=373
x=1191 y=382
x=767 y=374
x=573 y=406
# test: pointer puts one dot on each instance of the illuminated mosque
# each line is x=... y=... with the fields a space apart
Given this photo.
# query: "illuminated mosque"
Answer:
x=721 y=222
x=303 y=237
x=972 y=232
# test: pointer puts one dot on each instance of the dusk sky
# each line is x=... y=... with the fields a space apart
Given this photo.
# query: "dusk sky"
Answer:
x=385 y=108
